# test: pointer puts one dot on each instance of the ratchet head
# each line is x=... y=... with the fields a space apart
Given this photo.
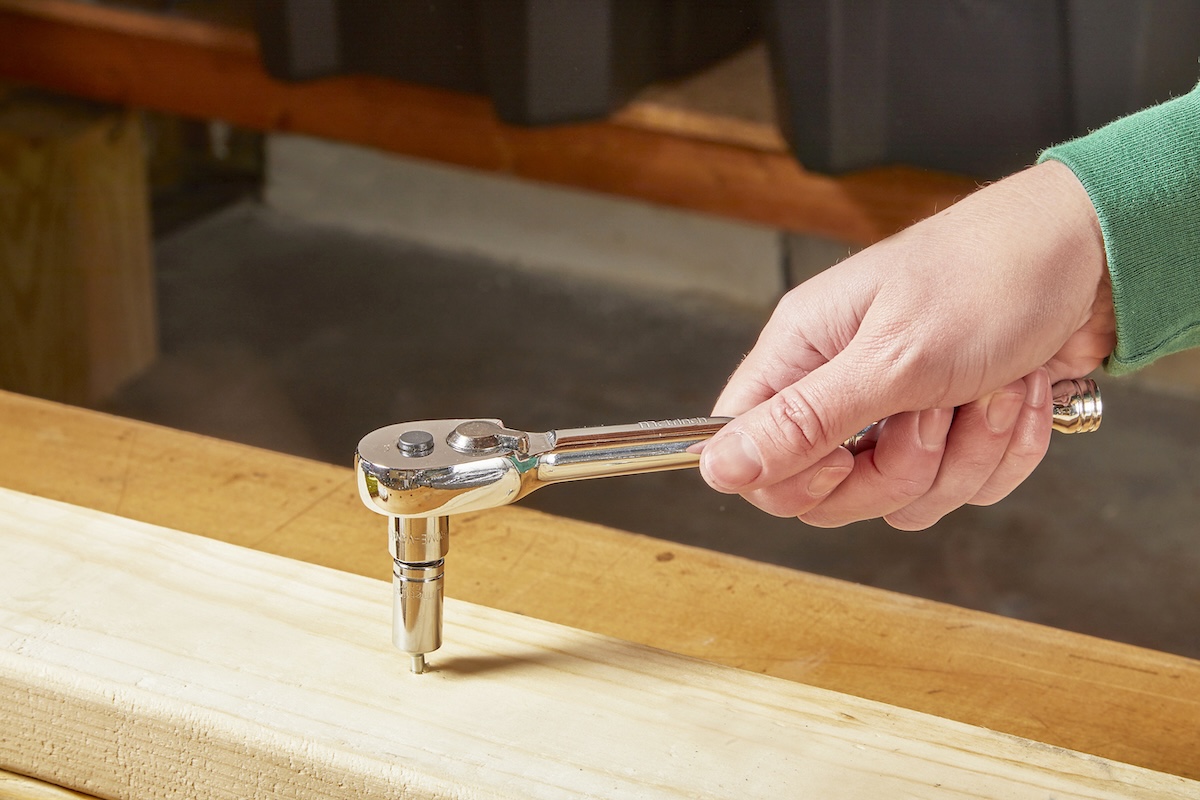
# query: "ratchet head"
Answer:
x=446 y=466
x=440 y=467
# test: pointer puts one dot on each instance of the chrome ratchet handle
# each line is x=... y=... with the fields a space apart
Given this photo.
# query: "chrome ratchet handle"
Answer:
x=1077 y=406
x=1077 y=409
x=611 y=450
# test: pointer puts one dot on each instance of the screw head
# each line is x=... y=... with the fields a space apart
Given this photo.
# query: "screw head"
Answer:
x=415 y=444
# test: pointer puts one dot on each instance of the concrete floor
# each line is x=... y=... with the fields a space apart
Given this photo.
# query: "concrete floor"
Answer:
x=302 y=338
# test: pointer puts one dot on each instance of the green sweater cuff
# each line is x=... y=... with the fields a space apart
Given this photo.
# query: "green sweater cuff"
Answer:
x=1142 y=173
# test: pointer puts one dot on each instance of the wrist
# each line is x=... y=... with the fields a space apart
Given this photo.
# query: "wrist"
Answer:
x=1065 y=244
x=1058 y=195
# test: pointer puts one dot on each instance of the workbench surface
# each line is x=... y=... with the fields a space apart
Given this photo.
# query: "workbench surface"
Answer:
x=1120 y=702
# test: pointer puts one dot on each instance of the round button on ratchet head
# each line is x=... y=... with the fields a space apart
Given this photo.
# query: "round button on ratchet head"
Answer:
x=475 y=436
x=482 y=436
x=415 y=444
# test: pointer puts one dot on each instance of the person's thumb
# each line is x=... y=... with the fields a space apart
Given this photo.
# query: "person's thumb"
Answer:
x=789 y=431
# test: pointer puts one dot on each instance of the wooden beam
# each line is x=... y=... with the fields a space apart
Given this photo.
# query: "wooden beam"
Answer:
x=209 y=70
x=1112 y=700
x=77 y=298
x=134 y=659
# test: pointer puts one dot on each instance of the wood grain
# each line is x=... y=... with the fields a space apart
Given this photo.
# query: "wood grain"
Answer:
x=1123 y=703
x=206 y=70
x=22 y=787
x=143 y=659
x=77 y=304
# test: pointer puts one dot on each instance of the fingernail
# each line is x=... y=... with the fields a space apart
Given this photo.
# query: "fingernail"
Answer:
x=1039 y=390
x=1002 y=410
x=932 y=427
x=826 y=480
x=732 y=461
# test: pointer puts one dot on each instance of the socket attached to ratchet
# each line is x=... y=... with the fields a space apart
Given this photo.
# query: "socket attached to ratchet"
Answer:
x=418 y=474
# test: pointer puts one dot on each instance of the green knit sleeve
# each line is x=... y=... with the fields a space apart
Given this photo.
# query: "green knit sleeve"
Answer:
x=1142 y=173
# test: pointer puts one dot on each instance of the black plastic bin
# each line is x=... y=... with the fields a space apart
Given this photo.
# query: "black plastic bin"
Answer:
x=971 y=86
x=541 y=61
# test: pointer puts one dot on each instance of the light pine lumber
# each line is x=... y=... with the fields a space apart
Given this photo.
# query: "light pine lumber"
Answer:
x=22 y=787
x=1124 y=703
x=77 y=301
x=136 y=661
x=651 y=151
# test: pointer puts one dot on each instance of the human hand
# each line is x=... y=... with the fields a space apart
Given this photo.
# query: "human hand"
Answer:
x=953 y=330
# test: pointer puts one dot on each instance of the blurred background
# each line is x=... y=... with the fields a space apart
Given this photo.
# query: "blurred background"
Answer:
x=288 y=223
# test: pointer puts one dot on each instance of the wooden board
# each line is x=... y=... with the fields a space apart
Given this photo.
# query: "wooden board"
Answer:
x=651 y=152
x=1120 y=702
x=77 y=300
x=135 y=660
x=21 y=787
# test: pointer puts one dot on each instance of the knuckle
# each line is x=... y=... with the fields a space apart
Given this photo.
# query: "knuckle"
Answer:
x=978 y=463
x=908 y=485
x=797 y=427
